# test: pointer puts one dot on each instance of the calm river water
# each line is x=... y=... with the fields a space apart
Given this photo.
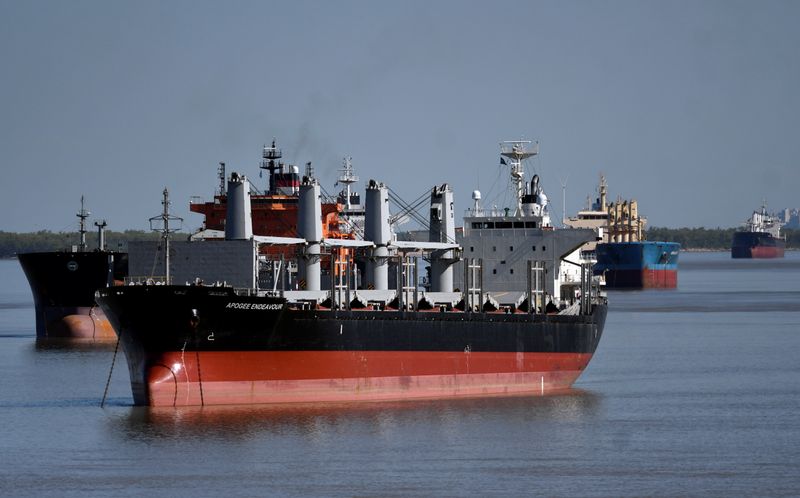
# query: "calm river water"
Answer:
x=694 y=391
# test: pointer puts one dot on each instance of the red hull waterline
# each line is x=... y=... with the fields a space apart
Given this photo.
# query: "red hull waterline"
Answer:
x=642 y=279
x=83 y=323
x=766 y=252
x=240 y=377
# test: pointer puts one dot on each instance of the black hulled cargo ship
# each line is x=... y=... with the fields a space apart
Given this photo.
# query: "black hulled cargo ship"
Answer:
x=202 y=345
x=760 y=238
x=363 y=329
x=63 y=284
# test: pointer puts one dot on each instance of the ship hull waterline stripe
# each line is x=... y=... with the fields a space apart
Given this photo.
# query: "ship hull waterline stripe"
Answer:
x=215 y=378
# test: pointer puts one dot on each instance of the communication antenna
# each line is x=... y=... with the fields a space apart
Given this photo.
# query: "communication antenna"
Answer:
x=161 y=223
x=563 y=199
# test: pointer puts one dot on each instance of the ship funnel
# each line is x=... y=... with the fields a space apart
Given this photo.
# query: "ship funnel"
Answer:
x=309 y=227
x=101 y=234
x=442 y=229
x=376 y=230
x=238 y=218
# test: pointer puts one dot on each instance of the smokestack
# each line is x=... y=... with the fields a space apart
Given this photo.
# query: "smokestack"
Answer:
x=238 y=218
x=309 y=227
x=376 y=230
x=442 y=230
x=101 y=234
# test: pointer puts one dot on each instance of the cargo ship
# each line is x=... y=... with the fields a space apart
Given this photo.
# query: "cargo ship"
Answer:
x=63 y=284
x=760 y=237
x=640 y=264
x=595 y=216
x=624 y=258
x=363 y=336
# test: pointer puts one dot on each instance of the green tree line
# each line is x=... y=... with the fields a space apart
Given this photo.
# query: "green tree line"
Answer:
x=710 y=238
x=12 y=243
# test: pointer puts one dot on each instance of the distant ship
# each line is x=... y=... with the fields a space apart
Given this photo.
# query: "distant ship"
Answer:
x=369 y=335
x=624 y=258
x=63 y=284
x=760 y=238
x=594 y=216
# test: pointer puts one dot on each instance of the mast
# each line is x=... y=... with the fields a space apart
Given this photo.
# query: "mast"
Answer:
x=161 y=224
x=270 y=156
x=516 y=151
x=564 y=200
x=347 y=177
x=82 y=214
x=221 y=176
x=603 y=192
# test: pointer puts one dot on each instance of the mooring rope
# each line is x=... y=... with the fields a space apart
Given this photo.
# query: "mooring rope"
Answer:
x=108 y=381
x=94 y=323
x=199 y=377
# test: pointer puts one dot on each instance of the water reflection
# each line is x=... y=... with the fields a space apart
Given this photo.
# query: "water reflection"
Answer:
x=680 y=301
x=8 y=305
x=721 y=261
x=75 y=345
x=377 y=419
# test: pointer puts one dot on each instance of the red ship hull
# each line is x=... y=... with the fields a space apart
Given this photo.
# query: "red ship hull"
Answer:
x=757 y=245
x=196 y=345
x=63 y=286
x=767 y=252
x=246 y=377
x=81 y=323
x=642 y=279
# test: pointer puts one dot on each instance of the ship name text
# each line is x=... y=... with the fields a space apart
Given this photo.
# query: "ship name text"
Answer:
x=254 y=306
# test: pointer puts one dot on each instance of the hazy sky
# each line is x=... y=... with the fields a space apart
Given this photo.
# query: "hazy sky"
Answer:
x=691 y=107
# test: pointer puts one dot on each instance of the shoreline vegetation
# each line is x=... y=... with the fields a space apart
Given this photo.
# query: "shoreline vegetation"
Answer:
x=12 y=243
